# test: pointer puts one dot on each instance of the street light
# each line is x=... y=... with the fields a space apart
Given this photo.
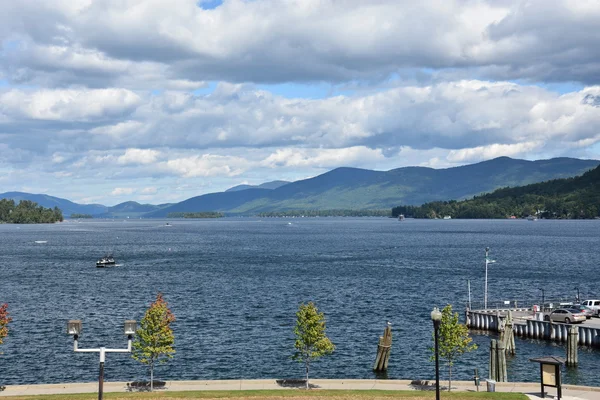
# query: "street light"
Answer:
x=74 y=328
x=487 y=261
x=578 y=299
x=543 y=298
x=436 y=317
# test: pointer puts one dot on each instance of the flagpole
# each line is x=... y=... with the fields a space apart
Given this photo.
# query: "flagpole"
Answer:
x=487 y=249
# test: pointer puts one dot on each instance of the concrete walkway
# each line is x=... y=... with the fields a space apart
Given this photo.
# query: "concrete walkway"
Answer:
x=570 y=392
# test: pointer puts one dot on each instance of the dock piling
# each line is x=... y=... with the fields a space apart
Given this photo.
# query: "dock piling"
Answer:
x=383 y=349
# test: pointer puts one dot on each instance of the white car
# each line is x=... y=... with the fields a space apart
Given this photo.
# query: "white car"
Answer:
x=593 y=304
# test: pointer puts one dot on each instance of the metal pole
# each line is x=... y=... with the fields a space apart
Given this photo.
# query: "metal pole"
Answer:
x=101 y=375
x=469 y=288
x=486 y=278
x=436 y=327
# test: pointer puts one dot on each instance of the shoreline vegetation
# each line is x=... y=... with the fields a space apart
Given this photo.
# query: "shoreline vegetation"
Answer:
x=81 y=216
x=570 y=198
x=28 y=212
x=326 y=213
x=203 y=214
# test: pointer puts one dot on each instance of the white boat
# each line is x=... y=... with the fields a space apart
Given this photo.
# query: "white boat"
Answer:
x=447 y=217
x=106 y=261
x=401 y=217
x=531 y=218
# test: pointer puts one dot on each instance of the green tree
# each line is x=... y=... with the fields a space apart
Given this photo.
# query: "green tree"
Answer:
x=311 y=340
x=454 y=340
x=154 y=339
x=4 y=321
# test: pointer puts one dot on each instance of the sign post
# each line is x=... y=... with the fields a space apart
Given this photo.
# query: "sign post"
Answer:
x=550 y=373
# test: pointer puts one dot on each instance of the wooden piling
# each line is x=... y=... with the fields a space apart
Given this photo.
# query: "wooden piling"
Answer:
x=383 y=349
x=493 y=367
x=572 y=339
x=501 y=358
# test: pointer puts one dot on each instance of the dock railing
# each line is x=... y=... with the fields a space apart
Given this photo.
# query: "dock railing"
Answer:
x=521 y=304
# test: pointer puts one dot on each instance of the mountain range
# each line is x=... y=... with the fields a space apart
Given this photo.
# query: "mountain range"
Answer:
x=345 y=188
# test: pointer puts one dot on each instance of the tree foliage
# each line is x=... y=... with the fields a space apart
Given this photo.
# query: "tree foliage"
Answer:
x=154 y=338
x=4 y=321
x=203 y=214
x=571 y=198
x=311 y=340
x=327 y=213
x=454 y=340
x=27 y=212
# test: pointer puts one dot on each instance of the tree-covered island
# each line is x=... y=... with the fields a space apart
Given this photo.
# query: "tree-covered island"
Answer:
x=571 y=198
x=81 y=216
x=27 y=212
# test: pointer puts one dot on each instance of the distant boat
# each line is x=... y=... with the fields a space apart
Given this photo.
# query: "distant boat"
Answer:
x=168 y=224
x=447 y=217
x=401 y=217
x=531 y=218
x=106 y=261
x=41 y=241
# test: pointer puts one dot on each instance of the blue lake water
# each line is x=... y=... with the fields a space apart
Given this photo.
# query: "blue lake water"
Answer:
x=235 y=284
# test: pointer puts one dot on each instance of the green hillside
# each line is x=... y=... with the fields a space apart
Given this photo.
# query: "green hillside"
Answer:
x=570 y=198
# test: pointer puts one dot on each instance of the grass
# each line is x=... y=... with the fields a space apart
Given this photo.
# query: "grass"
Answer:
x=284 y=395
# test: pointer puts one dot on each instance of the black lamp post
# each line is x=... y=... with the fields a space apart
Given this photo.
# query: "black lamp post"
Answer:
x=578 y=299
x=543 y=299
x=436 y=317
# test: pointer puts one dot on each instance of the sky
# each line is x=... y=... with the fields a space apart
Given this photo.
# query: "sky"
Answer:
x=158 y=101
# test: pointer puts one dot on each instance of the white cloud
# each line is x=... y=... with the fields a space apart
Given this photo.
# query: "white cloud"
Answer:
x=323 y=158
x=149 y=190
x=207 y=165
x=122 y=191
x=138 y=156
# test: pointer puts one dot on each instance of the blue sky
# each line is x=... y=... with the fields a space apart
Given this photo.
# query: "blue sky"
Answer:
x=158 y=102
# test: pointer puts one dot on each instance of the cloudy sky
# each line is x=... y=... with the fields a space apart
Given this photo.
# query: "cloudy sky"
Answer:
x=158 y=101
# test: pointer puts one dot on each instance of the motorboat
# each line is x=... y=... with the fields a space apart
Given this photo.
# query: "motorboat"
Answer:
x=106 y=261
x=401 y=217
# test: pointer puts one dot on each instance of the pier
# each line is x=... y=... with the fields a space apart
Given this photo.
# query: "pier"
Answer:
x=526 y=325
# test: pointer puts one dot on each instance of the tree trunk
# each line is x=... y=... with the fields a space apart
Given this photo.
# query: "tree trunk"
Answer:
x=307 y=362
x=449 y=377
x=151 y=376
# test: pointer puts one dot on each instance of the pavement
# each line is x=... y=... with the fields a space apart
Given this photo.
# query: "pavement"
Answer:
x=532 y=390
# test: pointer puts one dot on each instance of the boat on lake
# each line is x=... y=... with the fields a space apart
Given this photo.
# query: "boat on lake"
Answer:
x=401 y=217
x=106 y=261
x=531 y=218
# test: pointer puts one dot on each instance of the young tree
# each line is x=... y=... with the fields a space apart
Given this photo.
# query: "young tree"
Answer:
x=154 y=339
x=454 y=340
x=311 y=340
x=4 y=321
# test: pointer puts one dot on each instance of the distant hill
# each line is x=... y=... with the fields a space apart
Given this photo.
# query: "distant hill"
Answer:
x=67 y=207
x=131 y=209
x=266 y=185
x=353 y=188
x=572 y=198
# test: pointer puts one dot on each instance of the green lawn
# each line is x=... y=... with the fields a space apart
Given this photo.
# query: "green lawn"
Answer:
x=285 y=395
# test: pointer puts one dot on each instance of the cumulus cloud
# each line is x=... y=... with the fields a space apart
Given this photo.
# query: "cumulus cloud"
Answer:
x=138 y=156
x=179 y=44
x=122 y=191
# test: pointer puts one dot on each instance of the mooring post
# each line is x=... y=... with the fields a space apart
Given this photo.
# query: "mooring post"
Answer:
x=501 y=357
x=493 y=363
x=572 y=339
x=383 y=349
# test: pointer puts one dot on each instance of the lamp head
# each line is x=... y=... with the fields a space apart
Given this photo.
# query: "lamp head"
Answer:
x=130 y=327
x=436 y=315
x=74 y=327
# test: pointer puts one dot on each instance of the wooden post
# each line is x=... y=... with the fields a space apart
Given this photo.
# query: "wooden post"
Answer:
x=501 y=358
x=383 y=349
x=572 y=339
x=493 y=363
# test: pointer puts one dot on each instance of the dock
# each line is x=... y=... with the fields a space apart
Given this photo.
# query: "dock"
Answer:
x=527 y=324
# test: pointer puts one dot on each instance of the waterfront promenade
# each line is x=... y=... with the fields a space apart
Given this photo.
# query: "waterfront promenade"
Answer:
x=530 y=389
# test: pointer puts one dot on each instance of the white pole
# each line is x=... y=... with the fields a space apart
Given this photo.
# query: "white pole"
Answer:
x=486 y=267
x=469 y=288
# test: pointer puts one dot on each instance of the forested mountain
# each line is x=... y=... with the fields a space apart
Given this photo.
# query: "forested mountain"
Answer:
x=573 y=198
x=360 y=189
x=67 y=207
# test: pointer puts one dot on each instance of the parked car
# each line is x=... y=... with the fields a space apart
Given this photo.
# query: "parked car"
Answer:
x=566 y=316
x=593 y=304
x=588 y=312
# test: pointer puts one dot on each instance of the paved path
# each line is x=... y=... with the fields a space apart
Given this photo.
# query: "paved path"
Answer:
x=570 y=392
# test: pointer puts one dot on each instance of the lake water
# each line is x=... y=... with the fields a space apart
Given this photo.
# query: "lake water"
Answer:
x=235 y=285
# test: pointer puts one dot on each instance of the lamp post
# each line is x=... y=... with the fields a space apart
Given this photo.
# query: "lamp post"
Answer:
x=436 y=317
x=578 y=298
x=487 y=261
x=543 y=299
x=74 y=328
